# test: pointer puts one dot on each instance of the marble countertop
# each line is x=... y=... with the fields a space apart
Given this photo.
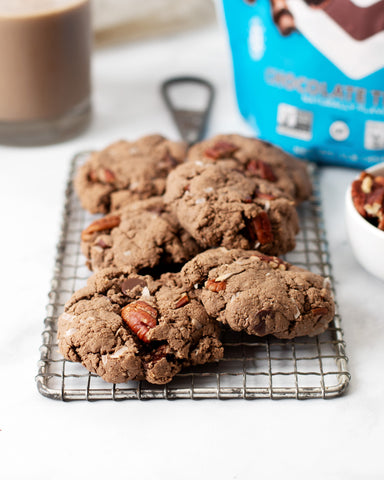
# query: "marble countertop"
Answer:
x=41 y=438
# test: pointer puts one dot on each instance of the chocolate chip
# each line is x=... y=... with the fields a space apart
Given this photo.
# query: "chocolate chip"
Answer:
x=131 y=283
x=262 y=315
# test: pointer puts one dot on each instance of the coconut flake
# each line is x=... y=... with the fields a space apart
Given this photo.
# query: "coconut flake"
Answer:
x=199 y=163
x=127 y=253
x=196 y=324
x=145 y=292
x=257 y=245
x=225 y=276
x=120 y=352
x=208 y=190
x=196 y=286
x=104 y=359
x=198 y=201
x=267 y=205
x=133 y=185
x=233 y=298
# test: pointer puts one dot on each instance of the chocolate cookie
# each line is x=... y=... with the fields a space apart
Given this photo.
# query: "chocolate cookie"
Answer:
x=139 y=168
x=128 y=327
x=220 y=206
x=257 y=159
x=260 y=294
x=140 y=235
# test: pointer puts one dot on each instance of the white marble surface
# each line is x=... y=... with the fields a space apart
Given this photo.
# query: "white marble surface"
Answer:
x=41 y=438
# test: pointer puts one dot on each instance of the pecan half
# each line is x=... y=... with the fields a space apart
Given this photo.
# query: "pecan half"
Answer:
x=221 y=149
x=140 y=318
x=214 y=286
x=261 y=169
x=183 y=300
x=100 y=225
x=260 y=229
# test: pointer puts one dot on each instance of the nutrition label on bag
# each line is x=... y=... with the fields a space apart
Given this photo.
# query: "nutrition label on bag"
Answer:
x=293 y=122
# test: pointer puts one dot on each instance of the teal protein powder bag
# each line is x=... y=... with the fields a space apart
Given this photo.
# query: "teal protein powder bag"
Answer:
x=309 y=75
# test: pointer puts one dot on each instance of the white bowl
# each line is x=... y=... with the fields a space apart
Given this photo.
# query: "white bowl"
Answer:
x=366 y=240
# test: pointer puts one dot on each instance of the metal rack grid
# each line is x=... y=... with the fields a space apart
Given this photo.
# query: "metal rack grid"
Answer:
x=252 y=367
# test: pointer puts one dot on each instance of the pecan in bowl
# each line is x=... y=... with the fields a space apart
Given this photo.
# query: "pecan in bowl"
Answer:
x=365 y=219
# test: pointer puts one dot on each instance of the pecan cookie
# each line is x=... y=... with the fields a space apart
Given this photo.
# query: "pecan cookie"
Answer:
x=129 y=327
x=140 y=235
x=220 y=206
x=257 y=159
x=260 y=294
x=139 y=169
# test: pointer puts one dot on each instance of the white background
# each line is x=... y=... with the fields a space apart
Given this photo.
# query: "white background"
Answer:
x=45 y=439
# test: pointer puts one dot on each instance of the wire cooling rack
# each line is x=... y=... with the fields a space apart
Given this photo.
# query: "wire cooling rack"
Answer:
x=252 y=367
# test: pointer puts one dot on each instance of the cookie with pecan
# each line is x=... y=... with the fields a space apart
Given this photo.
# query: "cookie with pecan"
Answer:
x=219 y=206
x=257 y=159
x=260 y=294
x=129 y=327
x=127 y=171
x=143 y=234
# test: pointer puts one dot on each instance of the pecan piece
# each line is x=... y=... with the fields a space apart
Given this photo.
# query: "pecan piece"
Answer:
x=183 y=300
x=273 y=262
x=158 y=354
x=140 y=318
x=358 y=197
x=100 y=225
x=107 y=176
x=263 y=196
x=214 y=286
x=261 y=169
x=319 y=311
x=221 y=149
x=260 y=229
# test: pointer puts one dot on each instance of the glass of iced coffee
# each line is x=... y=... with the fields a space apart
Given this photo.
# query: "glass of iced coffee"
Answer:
x=45 y=49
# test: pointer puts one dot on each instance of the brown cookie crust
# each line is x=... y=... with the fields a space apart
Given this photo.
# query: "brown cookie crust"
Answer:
x=260 y=294
x=219 y=206
x=138 y=168
x=92 y=330
x=144 y=235
x=257 y=159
